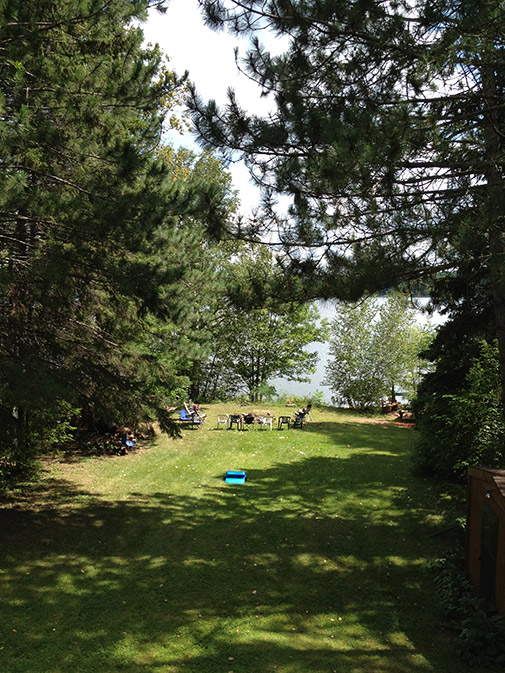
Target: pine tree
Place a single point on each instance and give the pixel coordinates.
(96, 246)
(387, 137)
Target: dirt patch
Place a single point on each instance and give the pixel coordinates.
(387, 419)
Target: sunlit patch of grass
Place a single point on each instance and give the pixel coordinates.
(150, 562)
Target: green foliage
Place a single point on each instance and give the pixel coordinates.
(256, 337)
(264, 392)
(454, 590)
(317, 398)
(482, 637)
(351, 357)
(300, 402)
(480, 630)
(43, 429)
(374, 350)
(387, 141)
(208, 170)
(468, 424)
(101, 240)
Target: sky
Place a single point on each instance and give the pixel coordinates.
(206, 54)
(209, 58)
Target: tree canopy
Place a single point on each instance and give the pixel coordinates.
(387, 137)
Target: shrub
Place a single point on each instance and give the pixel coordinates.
(480, 630)
(300, 401)
(25, 436)
(318, 398)
(462, 427)
(482, 636)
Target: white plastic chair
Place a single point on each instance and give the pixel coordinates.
(266, 420)
(222, 419)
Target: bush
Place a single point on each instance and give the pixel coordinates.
(26, 436)
(480, 630)
(482, 636)
(317, 398)
(463, 427)
(300, 402)
(452, 585)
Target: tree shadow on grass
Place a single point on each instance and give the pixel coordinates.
(262, 577)
(391, 442)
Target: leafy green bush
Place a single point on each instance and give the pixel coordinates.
(482, 636)
(318, 398)
(452, 585)
(301, 401)
(480, 629)
(25, 436)
(463, 427)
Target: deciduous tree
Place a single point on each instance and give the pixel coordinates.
(374, 351)
(257, 337)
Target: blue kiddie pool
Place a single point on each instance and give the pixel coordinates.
(235, 477)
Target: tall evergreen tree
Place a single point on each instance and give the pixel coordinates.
(454, 351)
(95, 254)
(387, 137)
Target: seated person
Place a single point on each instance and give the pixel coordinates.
(193, 410)
(249, 419)
(127, 440)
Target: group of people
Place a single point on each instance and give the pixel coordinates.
(124, 438)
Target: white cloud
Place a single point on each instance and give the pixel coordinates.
(209, 58)
(207, 55)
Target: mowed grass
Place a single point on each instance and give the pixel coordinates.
(150, 563)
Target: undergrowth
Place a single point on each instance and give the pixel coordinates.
(479, 628)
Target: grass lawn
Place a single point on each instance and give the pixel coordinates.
(150, 563)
